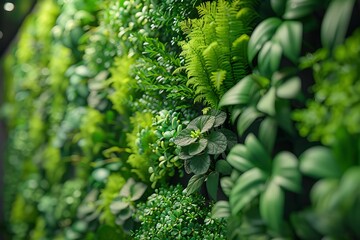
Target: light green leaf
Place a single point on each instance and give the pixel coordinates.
(322, 194)
(223, 167)
(267, 133)
(286, 172)
(249, 115)
(262, 33)
(203, 123)
(197, 147)
(195, 183)
(217, 78)
(269, 58)
(296, 9)
(100, 174)
(257, 153)
(199, 164)
(289, 89)
(246, 188)
(319, 162)
(217, 143)
(220, 117)
(289, 36)
(184, 138)
(221, 209)
(271, 206)
(226, 185)
(241, 93)
(126, 189)
(336, 22)
(239, 158)
(137, 190)
(117, 206)
(212, 184)
(267, 102)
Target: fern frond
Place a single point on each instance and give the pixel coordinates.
(217, 78)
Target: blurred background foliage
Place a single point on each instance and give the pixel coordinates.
(226, 119)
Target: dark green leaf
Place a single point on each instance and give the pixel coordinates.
(184, 154)
(271, 207)
(231, 137)
(197, 147)
(239, 158)
(319, 162)
(262, 33)
(278, 6)
(269, 58)
(223, 167)
(246, 189)
(296, 9)
(217, 143)
(137, 190)
(289, 89)
(289, 36)
(221, 209)
(220, 117)
(257, 153)
(184, 138)
(267, 102)
(226, 185)
(203, 123)
(241, 93)
(286, 171)
(199, 164)
(212, 184)
(283, 115)
(267, 133)
(195, 183)
(105, 232)
(246, 119)
(335, 22)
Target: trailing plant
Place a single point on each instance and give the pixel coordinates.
(215, 52)
(169, 214)
(167, 126)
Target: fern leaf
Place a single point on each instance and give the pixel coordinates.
(217, 78)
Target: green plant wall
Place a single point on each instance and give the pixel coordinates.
(224, 119)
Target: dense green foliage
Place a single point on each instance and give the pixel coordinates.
(103, 106)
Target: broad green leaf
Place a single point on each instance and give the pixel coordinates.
(286, 172)
(203, 123)
(217, 143)
(335, 23)
(262, 33)
(269, 58)
(231, 137)
(249, 115)
(283, 115)
(267, 102)
(239, 158)
(226, 185)
(296, 9)
(195, 183)
(289, 89)
(349, 189)
(289, 36)
(100, 174)
(267, 133)
(184, 154)
(221, 209)
(271, 206)
(278, 6)
(246, 188)
(137, 190)
(223, 167)
(257, 153)
(212, 184)
(117, 206)
(240, 93)
(197, 147)
(199, 164)
(322, 194)
(304, 227)
(220, 117)
(319, 162)
(184, 138)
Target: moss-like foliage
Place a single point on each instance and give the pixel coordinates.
(170, 214)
